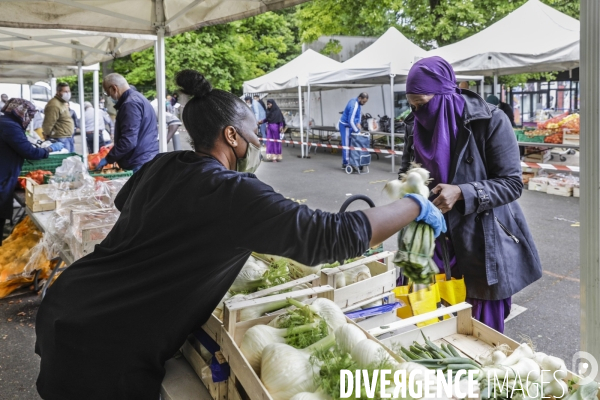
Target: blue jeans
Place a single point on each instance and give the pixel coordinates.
(69, 143)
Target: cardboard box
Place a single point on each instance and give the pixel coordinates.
(565, 191)
(576, 191)
(538, 186)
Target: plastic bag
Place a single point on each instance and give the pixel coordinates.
(21, 254)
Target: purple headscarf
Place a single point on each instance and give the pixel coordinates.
(20, 109)
(436, 122)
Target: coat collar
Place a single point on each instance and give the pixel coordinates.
(123, 98)
(475, 107)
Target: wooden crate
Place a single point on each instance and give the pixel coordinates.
(36, 196)
(470, 337)
(213, 326)
(382, 281)
(570, 138)
(242, 373)
(91, 235)
(565, 191)
(191, 350)
(380, 285)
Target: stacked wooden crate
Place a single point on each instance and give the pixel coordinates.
(376, 288)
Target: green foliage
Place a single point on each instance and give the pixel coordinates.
(227, 54)
(427, 23)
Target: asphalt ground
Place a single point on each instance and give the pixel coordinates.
(551, 319)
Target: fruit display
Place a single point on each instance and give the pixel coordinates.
(552, 123)
(37, 176)
(20, 255)
(94, 159)
(571, 122)
(555, 138)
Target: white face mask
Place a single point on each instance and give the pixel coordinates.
(66, 96)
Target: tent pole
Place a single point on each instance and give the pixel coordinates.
(96, 112)
(482, 88)
(161, 90)
(301, 122)
(392, 121)
(53, 86)
(383, 98)
(308, 117)
(80, 84)
(590, 178)
(495, 89)
(321, 105)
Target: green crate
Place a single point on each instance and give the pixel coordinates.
(47, 164)
(115, 175)
(530, 139)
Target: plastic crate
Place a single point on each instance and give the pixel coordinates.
(114, 175)
(47, 164)
(530, 139)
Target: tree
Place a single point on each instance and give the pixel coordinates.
(427, 23)
(226, 54)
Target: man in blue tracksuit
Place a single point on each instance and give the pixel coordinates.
(350, 122)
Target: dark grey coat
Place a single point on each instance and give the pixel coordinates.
(494, 248)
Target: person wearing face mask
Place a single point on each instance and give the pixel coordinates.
(470, 149)
(58, 124)
(3, 100)
(151, 292)
(350, 123)
(135, 128)
(14, 148)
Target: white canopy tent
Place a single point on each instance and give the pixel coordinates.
(291, 77)
(387, 60)
(64, 47)
(145, 17)
(50, 49)
(29, 74)
(533, 38)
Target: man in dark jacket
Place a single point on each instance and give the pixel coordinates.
(136, 132)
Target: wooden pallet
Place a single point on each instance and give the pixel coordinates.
(233, 331)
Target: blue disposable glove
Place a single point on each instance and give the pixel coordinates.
(430, 214)
(101, 164)
(58, 146)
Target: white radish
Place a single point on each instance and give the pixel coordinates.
(348, 336)
(357, 274)
(553, 364)
(497, 357)
(260, 336)
(539, 357)
(340, 280)
(523, 351)
(368, 354)
(286, 371)
(556, 388)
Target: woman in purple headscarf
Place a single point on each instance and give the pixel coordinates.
(471, 151)
(14, 148)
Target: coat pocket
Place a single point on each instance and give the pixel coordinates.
(507, 231)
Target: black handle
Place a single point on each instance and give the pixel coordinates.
(354, 198)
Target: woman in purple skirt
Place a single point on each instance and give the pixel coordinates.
(471, 152)
(275, 127)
